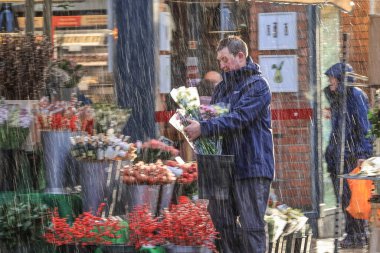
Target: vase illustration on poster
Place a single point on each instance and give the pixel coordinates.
(277, 75)
(281, 72)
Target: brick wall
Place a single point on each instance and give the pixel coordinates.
(292, 133)
(356, 24)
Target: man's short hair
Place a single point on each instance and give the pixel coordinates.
(234, 44)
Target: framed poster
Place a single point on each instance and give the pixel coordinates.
(165, 31)
(165, 74)
(281, 71)
(277, 30)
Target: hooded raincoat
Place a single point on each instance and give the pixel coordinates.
(358, 145)
(246, 130)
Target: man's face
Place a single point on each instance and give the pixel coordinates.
(229, 62)
(333, 83)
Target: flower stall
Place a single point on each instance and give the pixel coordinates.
(85, 154)
(15, 122)
(100, 160)
(58, 121)
(149, 181)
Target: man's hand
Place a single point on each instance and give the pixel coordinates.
(326, 113)
(359, 162)
(193, 131)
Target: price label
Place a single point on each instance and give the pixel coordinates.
(179, 160)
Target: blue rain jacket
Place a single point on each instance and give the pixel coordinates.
(246, 130)
(358, 145)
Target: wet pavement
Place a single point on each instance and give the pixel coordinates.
(327, 246)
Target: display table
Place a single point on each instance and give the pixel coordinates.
(69, 205)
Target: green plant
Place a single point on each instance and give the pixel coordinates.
(74, 71)
(21, 222)
(374, 118)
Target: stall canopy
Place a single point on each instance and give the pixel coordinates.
(38, 1)
(345, 5)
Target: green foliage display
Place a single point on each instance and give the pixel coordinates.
(12, 137)
(374, 118)
(73, 70)
(21, 222)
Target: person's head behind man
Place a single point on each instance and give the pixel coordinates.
(210, 81)
(232, 53)
(213, 77)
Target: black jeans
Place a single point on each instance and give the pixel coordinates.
(240, 218)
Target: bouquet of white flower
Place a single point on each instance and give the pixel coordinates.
(14, 116)
(110, 116)
(188, 101)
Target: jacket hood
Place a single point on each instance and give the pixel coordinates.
(336, 71)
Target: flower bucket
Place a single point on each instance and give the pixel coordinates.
(166, 194)
(118, 248)
(116, 189)
(60, 167)
(65, 94)
(186, 249)
(93, 178)
(28, 247)
(152, 249)
(12, 137)
(138, 195)
(12, 163)
(71, 248)
(101, 181)
(215, 176)
(22, 248)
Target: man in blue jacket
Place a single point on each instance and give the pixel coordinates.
(247, 135)
(358, 145)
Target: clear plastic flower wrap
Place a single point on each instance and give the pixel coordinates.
(188, 100)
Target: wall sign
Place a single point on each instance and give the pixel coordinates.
(277, 30)
(165, 74)
(165, 31)
(281, 71)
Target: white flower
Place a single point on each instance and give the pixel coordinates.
(186, 98)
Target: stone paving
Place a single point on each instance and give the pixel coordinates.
(327, 246)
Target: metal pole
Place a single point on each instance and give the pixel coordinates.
(131, 83)
(29, 16)
(110, 37)
(343, 115)
(47, 18)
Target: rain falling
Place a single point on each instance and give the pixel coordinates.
(231, 126)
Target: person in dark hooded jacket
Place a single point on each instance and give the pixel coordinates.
(358, 145)
(247, 135)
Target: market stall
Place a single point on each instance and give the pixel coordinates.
(109, 174)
